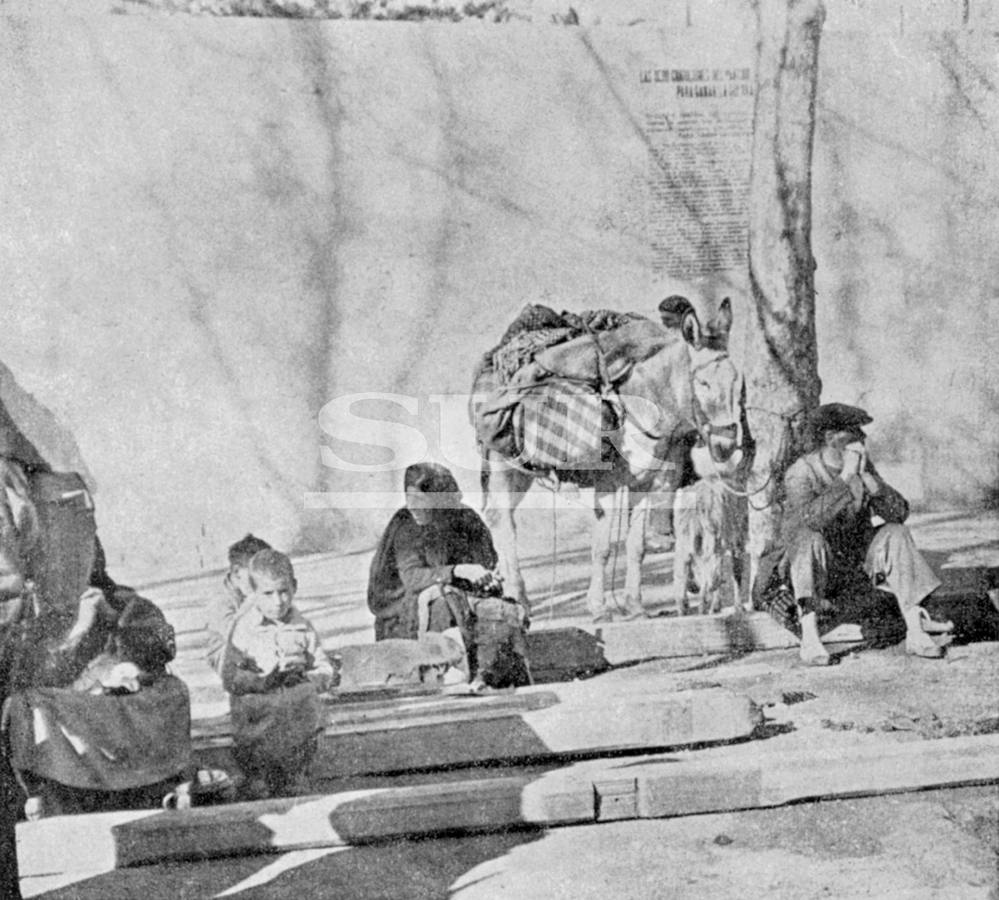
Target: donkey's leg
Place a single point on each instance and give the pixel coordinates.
(603, 517)
(728, 589)
(684, 524)
(638, 514)
(761, 537)
(750, 572)
(713, 521)
(711, 578)
(741, 599)
(506, 490)
(735, 541)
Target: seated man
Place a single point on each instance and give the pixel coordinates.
(274, 668)
(831, 546)
(223, 608)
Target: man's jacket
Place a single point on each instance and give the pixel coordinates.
(819, 500)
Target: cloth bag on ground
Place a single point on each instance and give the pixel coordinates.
(499, 649)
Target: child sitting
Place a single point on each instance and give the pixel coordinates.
(235, 586)
(274, 669)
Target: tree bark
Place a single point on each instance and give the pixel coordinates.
(782, 381)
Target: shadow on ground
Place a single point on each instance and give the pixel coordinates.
(414, 870)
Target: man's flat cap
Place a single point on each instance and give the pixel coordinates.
(839, 417)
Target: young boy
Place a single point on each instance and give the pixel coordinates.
(222, 609)
(274, 668)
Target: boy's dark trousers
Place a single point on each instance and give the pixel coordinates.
(277, 777)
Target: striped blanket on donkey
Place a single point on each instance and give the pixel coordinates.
(562, 426)
(530, 414)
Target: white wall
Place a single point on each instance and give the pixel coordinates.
(213, 228)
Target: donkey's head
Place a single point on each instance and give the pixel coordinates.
(717, 389)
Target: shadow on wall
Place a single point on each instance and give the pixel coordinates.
(912, 454)
(906, 311)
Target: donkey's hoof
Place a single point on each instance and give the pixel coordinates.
(660, 544)
(630, 615)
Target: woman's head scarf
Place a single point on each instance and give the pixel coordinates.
(429, 478)
(433, 478)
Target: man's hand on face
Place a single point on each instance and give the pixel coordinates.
(855, 464)
(854, 460)
(871, 484)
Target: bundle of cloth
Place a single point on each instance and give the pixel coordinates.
(101, 722)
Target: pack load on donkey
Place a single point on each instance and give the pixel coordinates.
(549, 401)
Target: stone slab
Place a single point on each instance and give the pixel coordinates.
(668, 787)
(578, 724)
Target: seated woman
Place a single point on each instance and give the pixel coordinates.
(93, 718)
(434, 550)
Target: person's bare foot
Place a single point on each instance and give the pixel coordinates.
(812, 657)
(921, 644)
(812, 652)
(922, 638)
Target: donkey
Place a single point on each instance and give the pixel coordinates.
(689, 384)
(710, 524)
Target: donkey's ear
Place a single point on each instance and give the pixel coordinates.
(673, 309)
(723, 321)
(690, 328)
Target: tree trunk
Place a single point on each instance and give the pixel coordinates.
(782, 381)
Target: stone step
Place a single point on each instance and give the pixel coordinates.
(527, 725)
(609, 791)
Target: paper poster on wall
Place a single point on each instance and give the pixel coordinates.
(698, 126)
